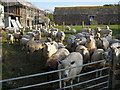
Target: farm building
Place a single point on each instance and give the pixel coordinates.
(89, 15)
(1, 16)
(26, 13)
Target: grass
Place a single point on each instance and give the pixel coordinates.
(115, 28)
(16, 62)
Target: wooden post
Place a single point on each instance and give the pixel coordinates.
(110, 72)
(63, 26)
(82, 24)
(113, 71)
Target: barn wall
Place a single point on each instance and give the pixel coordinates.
(75, 15)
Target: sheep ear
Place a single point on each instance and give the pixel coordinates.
(99, 38)
(82, 49)
(52, 43)
(72, 62)
(43, 44)
(103, 54)
(59, 62)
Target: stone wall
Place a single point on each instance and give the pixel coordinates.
(75, 15)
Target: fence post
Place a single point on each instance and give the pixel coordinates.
(82, 24)
(63, 26)
(110, 72)
(112, 80)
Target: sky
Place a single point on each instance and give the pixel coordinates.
(51, 4)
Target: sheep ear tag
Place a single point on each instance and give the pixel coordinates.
(72, 62)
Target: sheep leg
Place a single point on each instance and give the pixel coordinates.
(71, 82)
(60, 82)
(64, 84)
(12, 42)
(101, 73)
(96, 74)
(23, 48)
(78, 79)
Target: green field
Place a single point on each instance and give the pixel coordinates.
(115, 28)
(16, 62)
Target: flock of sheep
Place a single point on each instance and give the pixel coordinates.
(87, 46)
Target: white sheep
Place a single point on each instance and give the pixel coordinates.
(114, 41)
(115, 50)
(73, 31)
(103, 43)
(23, 42)
(85, 53)
(97, 30)
(37, 36)
(49, 49)
(86, 30)
(61, 45)
(31, 37)
(79, 35)
(10, 38)
(99, 54)
(71, 40)
(106, 31)
(33, 46)
(52, 62)
(80, 41)
(67, 28)
(54, 35)
(74, 59)
(90, 44)
(108, 37)
(70, 43)
(106, 27)
(18, 35)
(61, 36)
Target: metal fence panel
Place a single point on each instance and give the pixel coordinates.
(59, 80)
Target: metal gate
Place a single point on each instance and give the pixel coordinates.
(100, 82)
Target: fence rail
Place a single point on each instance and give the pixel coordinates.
(59, 80)
(39, 74)
(85, 82)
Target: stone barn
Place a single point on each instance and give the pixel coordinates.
(26, 13)
(89, 15)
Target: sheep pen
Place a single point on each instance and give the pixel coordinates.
(16, 62)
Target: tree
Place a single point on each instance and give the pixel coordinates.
(49, 14)
(111, 5)
(46, 20)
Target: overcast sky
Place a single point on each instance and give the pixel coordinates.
(51, 4)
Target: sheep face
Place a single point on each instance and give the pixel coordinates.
(47, 45)
(72, 40)
(66, 65)
(30, 48)
(89, 39)
(50, 48)
(78, 41)
(104, 55)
